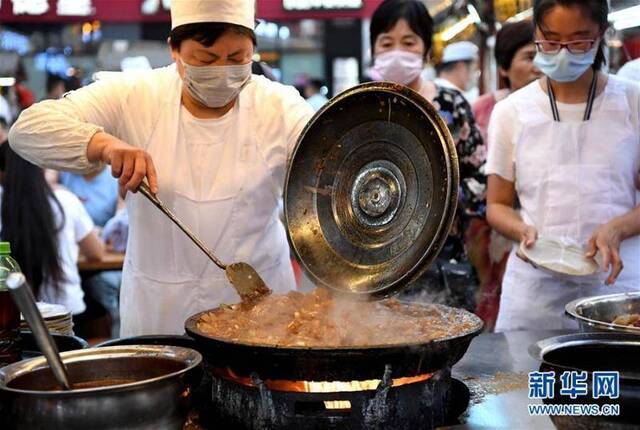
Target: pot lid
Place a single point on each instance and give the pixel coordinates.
(371, 190)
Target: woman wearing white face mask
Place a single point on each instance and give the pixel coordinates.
(401, 32)
(219, 139)
(568, 146)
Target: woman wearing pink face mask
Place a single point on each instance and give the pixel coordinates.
(401, 33)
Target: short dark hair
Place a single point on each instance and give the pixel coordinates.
(510, 39)
(315, 83)
(53, 80)
(598, 11)
(206, 33)
(413, 11)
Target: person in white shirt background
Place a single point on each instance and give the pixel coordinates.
(5, 117)
(631, 71)
(458, 69)
(211, 139)
(46, 229)
(568, 147)
(315, 93)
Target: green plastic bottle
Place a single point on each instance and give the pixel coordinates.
(9, 312)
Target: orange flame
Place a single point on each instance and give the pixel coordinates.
(319, 386)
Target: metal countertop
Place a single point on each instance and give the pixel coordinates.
(495, 369)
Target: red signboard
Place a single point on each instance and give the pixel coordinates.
(103, 10)
(38, 11)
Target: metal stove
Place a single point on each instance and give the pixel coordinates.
(404, 403)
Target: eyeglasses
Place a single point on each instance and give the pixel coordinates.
(575, 46)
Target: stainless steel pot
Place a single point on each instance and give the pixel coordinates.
(590, 352)
(594, 314)
(153, 392)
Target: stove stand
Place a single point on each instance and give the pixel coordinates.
(434, 402)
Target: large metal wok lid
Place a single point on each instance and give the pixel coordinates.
(371, 190)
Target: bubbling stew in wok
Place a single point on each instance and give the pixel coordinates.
(318, 319)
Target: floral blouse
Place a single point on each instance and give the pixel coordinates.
(457, 113)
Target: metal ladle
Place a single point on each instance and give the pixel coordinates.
(242, 276)
(22, 295)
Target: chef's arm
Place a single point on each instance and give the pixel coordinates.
(77, 133)
(501, 215)
(51, 134)
(297, 114)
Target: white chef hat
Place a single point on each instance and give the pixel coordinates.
(240, 12)
(459, 51)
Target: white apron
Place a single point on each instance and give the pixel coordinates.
(166, 278)
(570, 178)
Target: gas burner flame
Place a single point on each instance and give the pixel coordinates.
(319, 386)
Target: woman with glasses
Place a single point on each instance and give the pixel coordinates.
(567, 146)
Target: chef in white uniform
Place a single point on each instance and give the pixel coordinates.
(568, 145)
(211, 139)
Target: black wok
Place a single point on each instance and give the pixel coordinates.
(334, 364)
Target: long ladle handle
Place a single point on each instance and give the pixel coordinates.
(22, 295)
(144, 189)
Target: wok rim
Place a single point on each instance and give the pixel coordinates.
(193, 331)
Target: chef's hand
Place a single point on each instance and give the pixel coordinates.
(528, 237)
(606, 241)
(128, 163)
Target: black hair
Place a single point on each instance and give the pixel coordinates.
(315, 83)
(262, 69)
(510, 39)
(53, 80)
(21, 72)
(598, 11)
(450, 65)
(29, 222)
(72, 84)
(413, 11)
(206, 33)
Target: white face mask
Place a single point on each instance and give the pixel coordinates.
(398, 66)
(215, 86)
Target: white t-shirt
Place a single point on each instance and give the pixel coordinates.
(505, 125)
(204, 139)
(76, 227)
(630, 71)
(5, 111)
